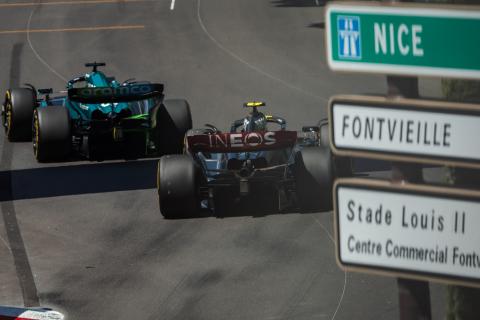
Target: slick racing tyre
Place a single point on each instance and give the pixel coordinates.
(18, 113)
(178, 181)
(324, 133)
(51, 133)
(343, 165)
(171, 120)
(313, 171)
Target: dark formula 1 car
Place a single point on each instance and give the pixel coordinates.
(97, 115)
(252, 161)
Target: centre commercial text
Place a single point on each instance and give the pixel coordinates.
(431, 221)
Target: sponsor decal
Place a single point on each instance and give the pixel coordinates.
(115, 94)
(118, 91)
(239, 140)
(243, 141)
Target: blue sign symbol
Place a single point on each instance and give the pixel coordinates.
(349, 37)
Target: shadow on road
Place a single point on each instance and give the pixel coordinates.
(108, 177)
(77, 179)
(255, 205)
(320, 25)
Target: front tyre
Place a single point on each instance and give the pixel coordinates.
(51, 133)
(178, 182)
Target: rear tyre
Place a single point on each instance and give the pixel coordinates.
(178, 182)
(17, 113)
(343, 165)
(313, 172)
(51, 133)
(171, 120)
(324, 133)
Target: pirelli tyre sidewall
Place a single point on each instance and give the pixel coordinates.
(170, 122)
(314, 174)
(178, 182)
(18, 113)
(51, 133)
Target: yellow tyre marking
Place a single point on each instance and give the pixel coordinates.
(8, 116)
(37, 133)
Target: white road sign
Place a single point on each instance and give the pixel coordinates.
(406, 130)
(408, 230)
(15, 313)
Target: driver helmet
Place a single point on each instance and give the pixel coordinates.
(255, 121)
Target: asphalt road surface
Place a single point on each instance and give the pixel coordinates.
(87, 238)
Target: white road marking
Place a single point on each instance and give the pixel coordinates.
(345, 273)
(172, 5)
(251, 66)
(5, 243)
(35, 51)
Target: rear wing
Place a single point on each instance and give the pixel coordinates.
(132, 92)
(241, 142)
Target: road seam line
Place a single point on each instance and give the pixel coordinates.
(51, 3)
(79, 29)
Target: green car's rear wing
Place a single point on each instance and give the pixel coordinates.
(132, 92)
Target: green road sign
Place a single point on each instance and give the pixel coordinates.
(404, 39)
